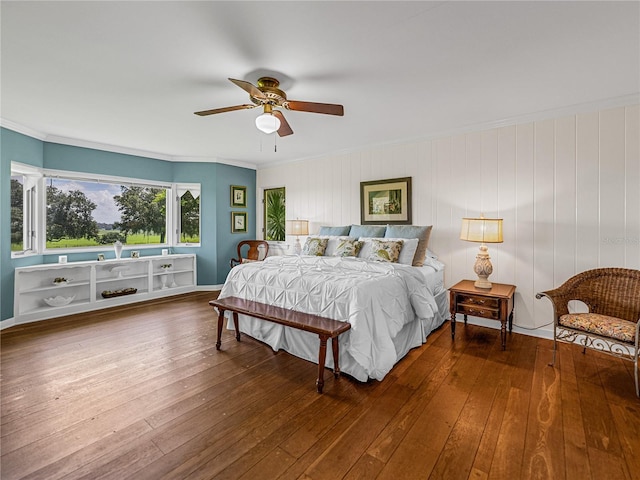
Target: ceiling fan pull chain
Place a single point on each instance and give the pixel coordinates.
(275, 143)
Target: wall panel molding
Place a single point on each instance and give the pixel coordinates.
(567, 188)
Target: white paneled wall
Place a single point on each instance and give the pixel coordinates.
(568, 190)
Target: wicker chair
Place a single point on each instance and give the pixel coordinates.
(613, 322)
(257, 250)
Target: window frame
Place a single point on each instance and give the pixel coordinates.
(31, 212)
(34, 182)
(177, 218)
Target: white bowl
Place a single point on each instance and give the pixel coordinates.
(59, 301)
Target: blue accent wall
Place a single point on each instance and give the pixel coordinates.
(217, 242)
(226, 241)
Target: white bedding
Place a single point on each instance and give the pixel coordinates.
(391, 307)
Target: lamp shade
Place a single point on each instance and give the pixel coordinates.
(267, 123)
(297, 227)
(485, 230)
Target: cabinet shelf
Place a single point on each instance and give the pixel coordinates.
(90, 278)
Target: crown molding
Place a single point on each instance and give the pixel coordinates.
(603, 104)
(76, 142)
(233, 163)
(569, 110)
(15, 127)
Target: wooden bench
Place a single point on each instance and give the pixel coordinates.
(325, 328)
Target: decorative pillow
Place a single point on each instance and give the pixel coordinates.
(422, 233)
(408, 251)
(348, 248)
(385, 251)
(332, 244)
(315, 246)
(358, 231)
(335, 231)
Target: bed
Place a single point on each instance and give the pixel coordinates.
(391, 307)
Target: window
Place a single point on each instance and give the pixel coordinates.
(89, 213)
(274, 214)
(55, 210)
(24, 180)
(188, 213)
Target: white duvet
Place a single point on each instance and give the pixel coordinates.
(377, 299)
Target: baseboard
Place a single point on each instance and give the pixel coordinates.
(537, 332)
(7, 322)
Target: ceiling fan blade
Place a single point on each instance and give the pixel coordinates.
(250, 88)
(327, 108)
(285, 128)
(225, 109)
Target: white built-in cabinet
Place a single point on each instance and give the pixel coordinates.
(88, 283)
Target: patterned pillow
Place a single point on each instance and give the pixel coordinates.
(422, 233)
(385, 251)
(348, 248)
(315, 246)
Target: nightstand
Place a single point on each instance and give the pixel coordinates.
(495, 303)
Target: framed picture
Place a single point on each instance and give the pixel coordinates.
(238, 222)
(135, 254)
(238, 196)
(101, 257)
(386, 201)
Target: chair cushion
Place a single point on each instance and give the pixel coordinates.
(603, 325)
(248, 260)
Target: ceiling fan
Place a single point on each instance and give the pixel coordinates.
(267, 95)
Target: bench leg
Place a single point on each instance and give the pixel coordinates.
(336, 365)
(235, 324)
(321, 359)
(220, 322)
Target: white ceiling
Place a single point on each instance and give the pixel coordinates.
(131, 74)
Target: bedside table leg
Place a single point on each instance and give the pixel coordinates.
(453, 326)
(503, 334)
(511, 321)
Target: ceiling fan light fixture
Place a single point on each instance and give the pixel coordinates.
(268, 123)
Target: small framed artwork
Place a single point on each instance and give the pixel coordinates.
(101, 257)
(386, 201)
(238, 222)
(238, 196)
(135, 254)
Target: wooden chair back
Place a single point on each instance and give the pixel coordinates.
(250, 250)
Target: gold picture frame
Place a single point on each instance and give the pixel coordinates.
(386, 202)
(238, 196)
(238, 222)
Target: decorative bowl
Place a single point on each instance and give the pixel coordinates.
(61, 281)
(59, 301)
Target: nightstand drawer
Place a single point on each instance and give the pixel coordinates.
(480, 301)
(479, 311)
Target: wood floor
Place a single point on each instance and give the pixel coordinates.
(141, 393)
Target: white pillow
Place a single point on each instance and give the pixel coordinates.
(407, 253)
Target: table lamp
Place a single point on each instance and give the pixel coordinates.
(483, 230)
(297, 228)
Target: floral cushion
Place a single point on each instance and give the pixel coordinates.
(385, 251)
(315, 246)
(348, 248)
(622, 330)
